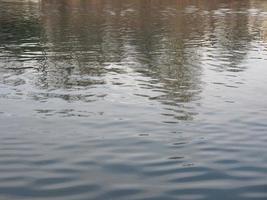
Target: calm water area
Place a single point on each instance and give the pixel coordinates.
(133, 99)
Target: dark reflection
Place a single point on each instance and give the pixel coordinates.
(19, 22)
(162, 45)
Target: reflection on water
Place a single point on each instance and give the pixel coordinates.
(133, 99)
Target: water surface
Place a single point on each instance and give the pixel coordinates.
(133, 99)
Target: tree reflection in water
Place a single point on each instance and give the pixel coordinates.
(159, 48)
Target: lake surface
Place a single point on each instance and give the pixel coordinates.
(133, 99)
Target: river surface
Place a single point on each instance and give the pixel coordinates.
(133, 99)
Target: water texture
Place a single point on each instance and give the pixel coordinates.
(133, 99)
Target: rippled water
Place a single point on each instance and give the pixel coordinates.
(133, 99)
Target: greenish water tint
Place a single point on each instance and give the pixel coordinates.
(133, 99)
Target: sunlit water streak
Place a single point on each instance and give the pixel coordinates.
(138, 99)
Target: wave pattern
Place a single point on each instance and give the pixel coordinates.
(133, 100)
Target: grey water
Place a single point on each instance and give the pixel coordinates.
(133, 99)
